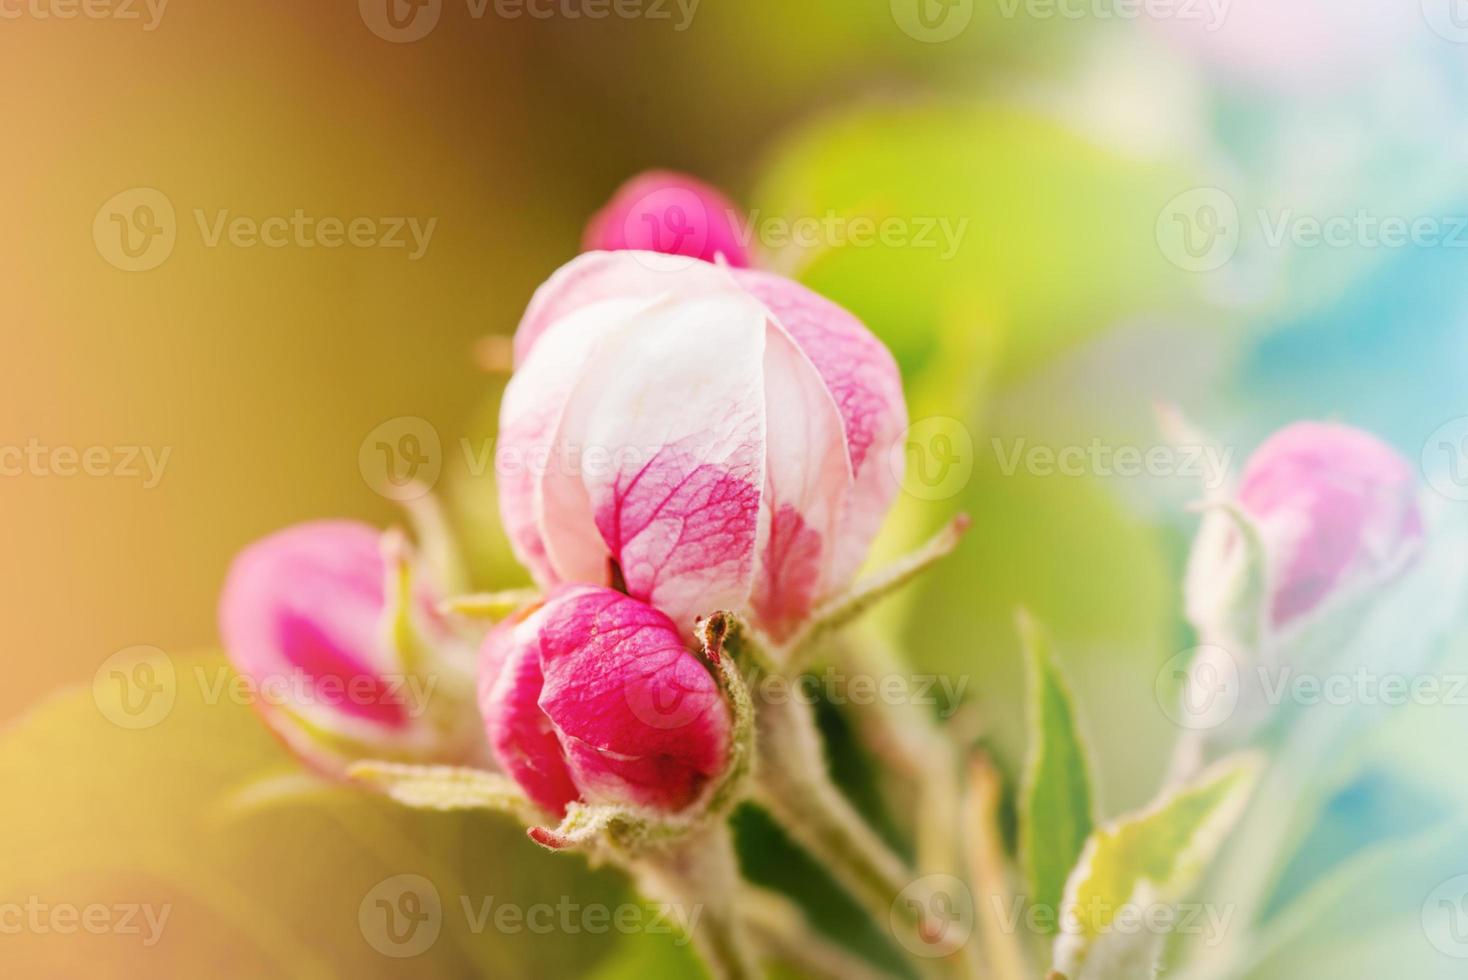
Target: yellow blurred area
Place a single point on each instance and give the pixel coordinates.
(257, 370)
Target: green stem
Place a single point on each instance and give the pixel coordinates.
(792, 782)
(785, 935)
(909, 739)
(699, 876)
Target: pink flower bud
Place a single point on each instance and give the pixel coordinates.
(660, 211)
(1333, 505)
(593, 696)
(303, 617)
(719, 438)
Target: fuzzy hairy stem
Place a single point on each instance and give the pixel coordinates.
(781, 930)
(701, 873)
(909, 738)
(793, 783)
(985, 849)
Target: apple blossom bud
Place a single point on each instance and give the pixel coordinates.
(330, 634)
(671, 213)
(1332, 506)
(709, 438)
(595, 697)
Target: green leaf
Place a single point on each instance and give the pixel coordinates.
(1056, 803)
(1144, 860)
(1002, 202)
(448, 788)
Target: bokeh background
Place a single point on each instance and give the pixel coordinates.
(1116, 178)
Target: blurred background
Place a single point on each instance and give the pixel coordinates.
(1058, 213)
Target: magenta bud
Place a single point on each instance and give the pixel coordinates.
(671, 213)
(594, 697)
(304, 618)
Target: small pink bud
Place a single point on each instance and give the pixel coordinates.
(1333, 502)
(1333, 505)
(302, 616)
(720, 437)
(671, 213)
(594, 697)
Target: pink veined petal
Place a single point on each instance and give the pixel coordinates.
(306, 602)
(640, 717)
(530, 413)
(863, 378)
(597, 276)
(1331, 501)
(670, 417)
(808, 483)
(523, 739)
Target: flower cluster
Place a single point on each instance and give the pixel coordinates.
(749, 422)
(746, 432)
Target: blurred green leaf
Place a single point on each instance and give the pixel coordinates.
(990, 207)
(1101, 579)
(300, 884)
(1056, 804)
